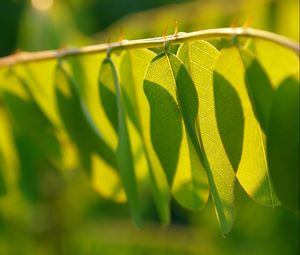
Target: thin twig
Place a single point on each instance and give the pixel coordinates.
(22, 57)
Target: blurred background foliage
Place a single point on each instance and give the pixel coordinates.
(63, 214)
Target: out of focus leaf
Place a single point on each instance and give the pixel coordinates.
(36, 143)
(113, 103)
(84, 70)
(278, 62)
(173, 111)
(106, 181)
(283, 142)
(78, 123)
(3, 188)
(41, 88)
(199, 57)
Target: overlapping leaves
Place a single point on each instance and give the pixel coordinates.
(188, 125)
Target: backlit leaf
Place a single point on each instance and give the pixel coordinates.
(78, 123)
(173, 111)
(133, 67)
(113, 103)
(199, 57)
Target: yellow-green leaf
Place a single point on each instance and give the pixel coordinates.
(113, 102)
(173, 111)
(133, 66)
(199, 57)
(78, 122)
(257, 182)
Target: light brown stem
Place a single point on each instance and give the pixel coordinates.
(22, 57)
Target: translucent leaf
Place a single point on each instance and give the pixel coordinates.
(256, 181)
(133, 66)
(85, 72)
(78, 123)
(106, 181)
(252, 171)
(283, 142)
(41, 88)
(278, 62)
(173, 111)
(199, 57)
(113, 102)
(36, 143)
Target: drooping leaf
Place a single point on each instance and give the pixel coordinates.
(113, 103)
(133, 67)
(199, 58)
(252, 171)
(84, 70)
(283, 142)
(260, 93)
(278, 62)
(36, 143)
(173, 111)
(78, 123)
(39, 79)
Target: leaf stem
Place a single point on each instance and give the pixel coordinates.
(22, 57)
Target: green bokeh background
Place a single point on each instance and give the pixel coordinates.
(70, 217)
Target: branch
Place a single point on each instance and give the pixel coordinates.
(22, 57)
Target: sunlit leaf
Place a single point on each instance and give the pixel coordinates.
(36, 143)
(41, 88)
(256, 180)
(85, 72)
(199, 57)
(113, 102)
(278, 62)
(174, 106)
(78, 123)
(106, 181)
(133, 66)
(283, 142)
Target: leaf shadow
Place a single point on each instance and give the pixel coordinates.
(260, 91)
(230, 118)
(283, 142)
(165, 126)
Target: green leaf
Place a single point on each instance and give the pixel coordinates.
(256, 181)
(41, 88)
(3, 188)
(36, 143)
(8, 155)
(78, 122)
(173, 111)
(283, 142)
(278, 62)
(28, 118)
(199, 57)
(109, 83)
(104, 177)
(133, 66)
(85, 72)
